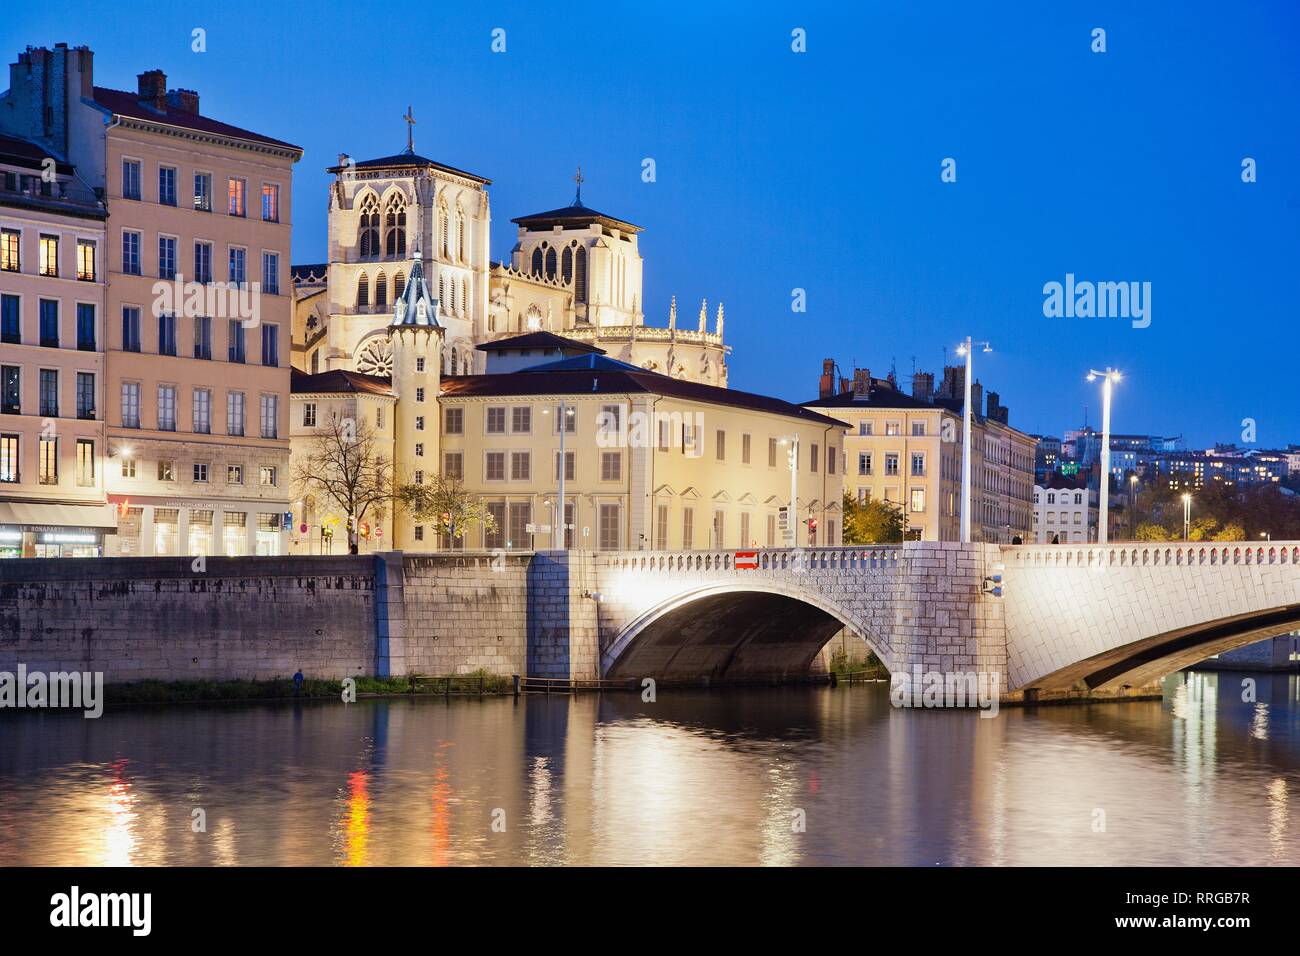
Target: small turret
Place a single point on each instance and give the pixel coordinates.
(719, 320)
(672, 314)
(704, 314)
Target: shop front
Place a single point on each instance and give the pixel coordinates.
(41, 530)
(157, 527)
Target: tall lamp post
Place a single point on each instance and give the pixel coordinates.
(793, 442)
(558, 529)
(1187, 515)
(1108, 379)
(966, 348)
(1133, 505)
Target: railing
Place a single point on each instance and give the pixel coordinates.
(458, 685)
(1154, 554)
(861, 558)
(570, 685)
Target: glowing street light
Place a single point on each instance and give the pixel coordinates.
(793, 442)
(1109, 378)
(966, 348)
(1187, 515)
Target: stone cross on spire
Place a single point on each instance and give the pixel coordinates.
(577, 178)
(410, 130)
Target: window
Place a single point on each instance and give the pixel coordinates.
(570, 466)
(866, 429)
(128, 467)
(166, 471)
(9, 458)
(271, 345)
(85, 327)
(569, 415)
(49, 393)
(453, 465)
(918, 429)
(419, 476)
(419, 364)
(309, 415)
(608, 532)
(270, 416)
(87, 267)
(419, 449)
(661, 528)
(201, 472)
(721, 445)
(167, 408)
(203, 192)
(611, 466)
(130, 328)
(520, 465)
(130, 179)
(419, 532)
(10, 390)
(203, 262)
(918, 500)
(235, 351)
(893, 428)
(864, 463)
(202, 411)
(830, 460)
(744, 530)
(238, 266)
(271, 273)
(419, 420)
(11, 328)
(607, 423)
(521, 419)
(419, 394)
(521, 513)
(771, 453)
(203, 337)
(130, 404)
(270, 202)
(166, 257)
(166, 334)
(494, 466)
(49, 255)
(10, 250)
(266, 476)
(167, 185)
(918, 464)
(812, 458)
(234, 412)
(496, 421)
(234, 474)
(85, 463)
(236, 191)
(49, 323)
(86, 396)
(455, 421)
(368, 228)
(719, 529)
(130, 252)
(891, 463)
(744, 449)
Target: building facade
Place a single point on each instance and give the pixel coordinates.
(1065, 511)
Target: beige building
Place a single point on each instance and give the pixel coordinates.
(906, 449)
(52, 436)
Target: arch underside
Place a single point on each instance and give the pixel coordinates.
(734, 635)
(1152, 658)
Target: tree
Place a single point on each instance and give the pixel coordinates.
(872, 522)
(446, 502)
(344, 462)
(1148, 531)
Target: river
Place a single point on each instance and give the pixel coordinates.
(798, 775)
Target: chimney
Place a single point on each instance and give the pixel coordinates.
(976, 397)
(861, 384)
(826, 384)
(186, 101)
(152, 88)
(923, 385)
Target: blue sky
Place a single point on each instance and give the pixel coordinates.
(821, 170)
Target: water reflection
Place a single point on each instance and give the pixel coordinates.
(773, 777)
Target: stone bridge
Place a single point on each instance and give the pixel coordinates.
(1071, 620)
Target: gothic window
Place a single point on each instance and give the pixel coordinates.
(534, 318)
(376, 358)
(381, 289)
(444, 229)
(368, 228)
(580, 274)
(537, 261)
(363, 291)
(566, 265)
(460, 233)
(399, 285)
(464, 298)
(550, 263)
(442, 293)
(395, 227)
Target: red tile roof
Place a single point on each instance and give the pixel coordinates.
(339, 380)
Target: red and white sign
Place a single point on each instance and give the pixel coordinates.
(746, 561)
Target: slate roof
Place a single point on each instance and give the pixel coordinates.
(339, 381)
(405, 160)
(128, 104)
(574, 215)
(538, 340)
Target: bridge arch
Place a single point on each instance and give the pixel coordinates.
(751, 630)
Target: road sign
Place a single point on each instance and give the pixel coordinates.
(745, 561)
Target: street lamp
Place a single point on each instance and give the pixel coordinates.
(966, 348)
(1133, 503)
(793, 442)
(1109, 378)
(1267, 536)
(558, 529)
(1187, 515)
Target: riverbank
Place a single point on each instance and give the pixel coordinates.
(477, 683)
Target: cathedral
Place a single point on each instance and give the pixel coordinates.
(573, 271)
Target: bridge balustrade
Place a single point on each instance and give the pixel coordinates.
(1129, 555)
(865, 558)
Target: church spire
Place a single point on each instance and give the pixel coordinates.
(719, 320)
(704, 314)
(410, 132)
(672, 314)
(577, 178)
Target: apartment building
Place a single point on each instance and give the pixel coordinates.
(52, 436)
(1065, 511)
(197, 308)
